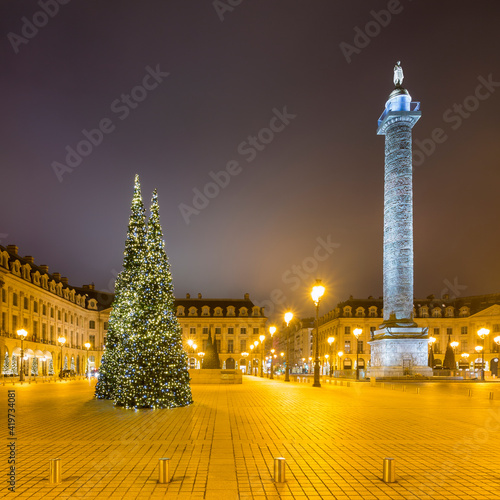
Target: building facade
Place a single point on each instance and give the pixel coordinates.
(455, 320)
(49, 309)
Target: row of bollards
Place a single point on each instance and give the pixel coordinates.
(388, 470)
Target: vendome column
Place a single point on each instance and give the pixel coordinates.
(399, 347)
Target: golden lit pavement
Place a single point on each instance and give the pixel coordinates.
(446, 444)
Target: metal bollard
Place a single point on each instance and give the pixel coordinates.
(389, 470)
(163, 475)
(491, 395)
(404, 388)
(348, 384)
(55, 471)
(418, 390)
(470, 392)
(279, 470)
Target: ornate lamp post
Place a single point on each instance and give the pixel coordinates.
(62, 341)
(262, 338)
(331, 340)
(327, 356)
(288, 318)
(340, 354)
(87, 346)
(465, 357)
(357, 332)
(245, 356)
(483, 333)
(23, 334)
(272, 331)
(317, 292)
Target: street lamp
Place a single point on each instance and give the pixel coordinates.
(482, 333)
(288, 318)
(317, 292)
(326, 360)
(62, 341)
(201, 354)
(23, 334)
(87, 346)
(262, 338)
(357, 332)
(251, 359)
(272, 331)
(331, 340)
(340, 354)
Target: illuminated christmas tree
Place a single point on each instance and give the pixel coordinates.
(211, 359)
(155, 373)
(125, 305)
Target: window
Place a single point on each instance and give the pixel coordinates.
(205, 330)
(243, 345)
(243, 330)
(35, 306)
(449, 312)
(360, 312)
(4, 321)
(256, 331)
(464, 330)
(218, 311)
(106, 325)
(14, 299)
(92, 341)
(243, 311)
(192, 331)
(26, 303)
(193, 311)
(347, 347)
(59, 315)
(436, 312)
(360, 346)
(52, 334)
(25, 322)
(449, 331)
(44, 332)
(436, 332)
(44, 310)
(218, 331)
(230, 347)
(464, 345)
(92, 324)
(496, 328)
(65, 317)
(205, 311)
(373, 329)
(347, 312)
(230, 311)
(4, 295)
(424, 312)
(373, 312)
(180, 311)
(14, 324)
(51, 312)
(347, 330)
(218, 345)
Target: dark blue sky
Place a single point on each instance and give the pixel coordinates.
(309, 203)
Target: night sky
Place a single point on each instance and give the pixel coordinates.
(179, 88)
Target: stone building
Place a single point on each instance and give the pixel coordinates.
(48, 308)
(455, 319)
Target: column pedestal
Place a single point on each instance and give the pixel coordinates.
(399, 352)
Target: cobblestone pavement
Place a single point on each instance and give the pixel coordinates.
(445, 442)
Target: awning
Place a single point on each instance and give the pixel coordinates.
(29, 352)
(47, 354)
(39, 354)
(16, 351)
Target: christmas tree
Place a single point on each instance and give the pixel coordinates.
(6, 365)
(125, 304)
(211, 359)
(155, 373)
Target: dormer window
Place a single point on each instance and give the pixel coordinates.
(450, 312)
(92, 304)
(180, 311)
(436, 312)
(424, 312)
(360, 312)
(205, 311)
(373, 312)
(193, 311)
(464, 311)
(230, 311)
(256, 311)
(243, 311)
(218, 311)
(347, 311)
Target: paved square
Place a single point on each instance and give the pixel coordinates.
(446, 444)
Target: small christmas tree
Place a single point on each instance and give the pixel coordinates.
(155, 371)
(449, 356)
(6, 365)
(211, 359)
(126, 299)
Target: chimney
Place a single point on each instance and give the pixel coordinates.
(44, 268)
(88, 287)
(12, 249)
(57, 276)
(29, 259)
(247, 296)
(64, 280)
(199, 295)
(188, 295)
